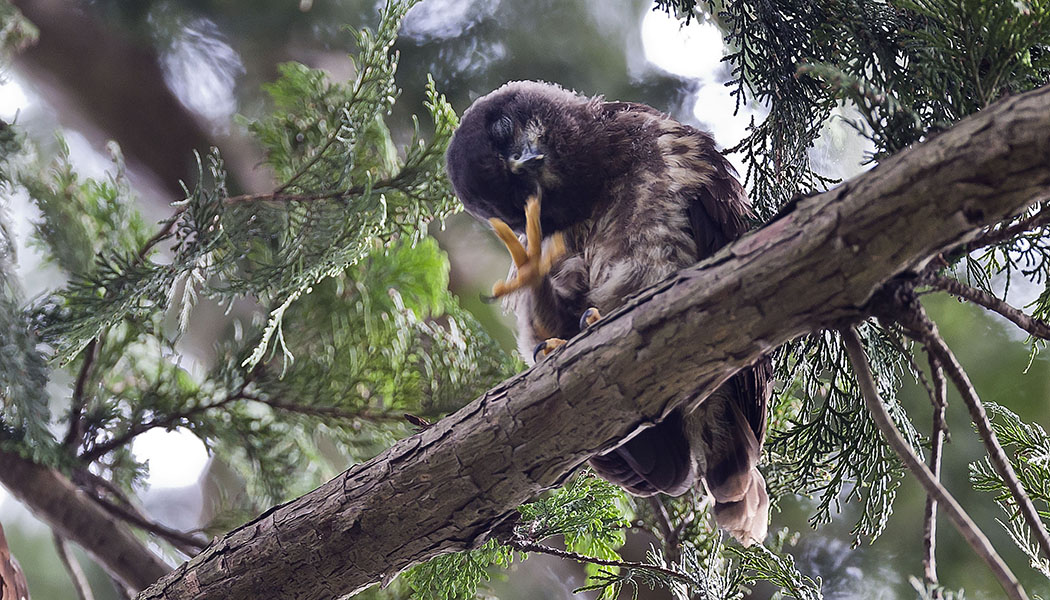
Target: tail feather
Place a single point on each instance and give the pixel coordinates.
(746, 519)
(726, 429)
(731, 463)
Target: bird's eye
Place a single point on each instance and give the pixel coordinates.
(502, 129)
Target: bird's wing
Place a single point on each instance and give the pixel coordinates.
(612, 108)
(718, 210)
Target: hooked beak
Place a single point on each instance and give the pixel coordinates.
(528, 159)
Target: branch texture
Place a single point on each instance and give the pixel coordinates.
(815, 267)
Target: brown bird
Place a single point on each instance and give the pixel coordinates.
(629, 196)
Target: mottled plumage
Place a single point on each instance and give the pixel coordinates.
(637, 196)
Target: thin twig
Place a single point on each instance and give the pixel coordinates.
(1033, 326)
(138, 429)
(94, 347)
(939, 398)
(283, 197)
(328, 411)
(97, 487)
(186, 543)
(76, 574)
(524, 546)
(158, 237)
(76, 413)
(995, 236)
(332, 137)
(958, 516)
(279, 195)
(935, 345)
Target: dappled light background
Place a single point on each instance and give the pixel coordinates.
(166, 78)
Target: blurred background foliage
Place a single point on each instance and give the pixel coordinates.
(244, 359)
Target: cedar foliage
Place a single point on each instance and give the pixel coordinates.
(340, 319)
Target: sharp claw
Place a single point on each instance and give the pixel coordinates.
(544, 348)
(590, 317)
(538, 350)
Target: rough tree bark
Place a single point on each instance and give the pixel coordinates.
(816, 266)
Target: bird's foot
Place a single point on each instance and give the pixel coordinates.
(590, 317)
(532, 263)
(546, 347)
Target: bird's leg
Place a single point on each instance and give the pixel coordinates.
(590, 317)
(531, 263)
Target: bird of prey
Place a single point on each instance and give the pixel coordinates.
(597, 201)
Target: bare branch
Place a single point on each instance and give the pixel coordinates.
(75, 430)
(76, 574)
(1001, 234)
(926, 329)
(960, 519)
(187, 543)
(65, 508)
(939, 399)
(1033, 326)
(524, 546)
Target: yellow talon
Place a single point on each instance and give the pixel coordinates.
(531, 262)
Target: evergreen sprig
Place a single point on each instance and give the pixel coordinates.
(334, 265)
(824, 442)
(24, 401)
(1028, 447)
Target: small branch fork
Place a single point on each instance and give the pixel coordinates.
(920, 325)
(528, 546)
(958, 516)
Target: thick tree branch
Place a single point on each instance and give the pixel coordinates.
(74, 516)
(927, 332)
(815, 267)
(967, 528)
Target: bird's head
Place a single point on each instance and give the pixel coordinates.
(522, 139)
